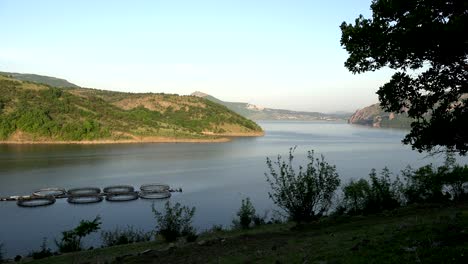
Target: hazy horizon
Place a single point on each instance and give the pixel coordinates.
(237, 51)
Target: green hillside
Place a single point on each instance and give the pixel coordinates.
(52, 81)
(36, 112)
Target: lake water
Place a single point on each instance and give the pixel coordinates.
(214, 177)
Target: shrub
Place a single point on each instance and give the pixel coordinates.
(356, 194)
(260, 219)
(457, 180)
(44, 252)
(423, 185)
(246, 215)
(127, 235)
(376, 195)
(1, 252)
(307, 194)
(454, 176)
(384, 194)
(430, 184)
(175, 222)
(71, 240)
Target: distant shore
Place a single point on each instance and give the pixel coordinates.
(220, 138)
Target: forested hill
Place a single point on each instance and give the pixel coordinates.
(52, 81)
(41, 113)
(375, 116)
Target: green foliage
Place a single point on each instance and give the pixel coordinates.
(44, 252)
(376, 195)
(427, 38)
(127, 235)
(246, 215)
(356, 195)
(457, 181)
(384, 193)
(175, 222)
(423, 185)
(305, 195)
(71, 240)
(51, 113)
(429, 184)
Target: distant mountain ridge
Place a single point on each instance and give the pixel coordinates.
(35, 78)
(375, 116)
(255, 112)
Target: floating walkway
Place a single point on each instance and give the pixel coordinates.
(86, 195)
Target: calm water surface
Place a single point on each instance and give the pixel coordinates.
(214, 177)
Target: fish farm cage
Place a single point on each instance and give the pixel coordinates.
(88, 195)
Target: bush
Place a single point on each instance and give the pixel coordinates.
(124, 236)
(1, 253)
(429, 184)
(423, 185)
(44, 252)
(246, 215)
(71, 240)
(457, 180)
(384, 194)
(356, 194)
(376, 195)
(260, 219)
(175, 222)
(306, 195)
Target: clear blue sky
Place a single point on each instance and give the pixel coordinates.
(282, 54)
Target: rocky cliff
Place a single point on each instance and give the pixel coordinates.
(375, 116)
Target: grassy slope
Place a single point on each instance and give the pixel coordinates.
(30, 111)
(424, 234)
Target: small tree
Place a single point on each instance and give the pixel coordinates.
(71, 240)
(175, 222)
(385, 194)
(356, 194)
(246, 214)
(305, 195)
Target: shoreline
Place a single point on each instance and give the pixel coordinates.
(249, 134)
(221, 139)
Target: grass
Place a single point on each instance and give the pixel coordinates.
(417, 234)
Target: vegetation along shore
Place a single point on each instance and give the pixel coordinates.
(38, 113)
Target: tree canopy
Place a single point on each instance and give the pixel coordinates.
(426, 43)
